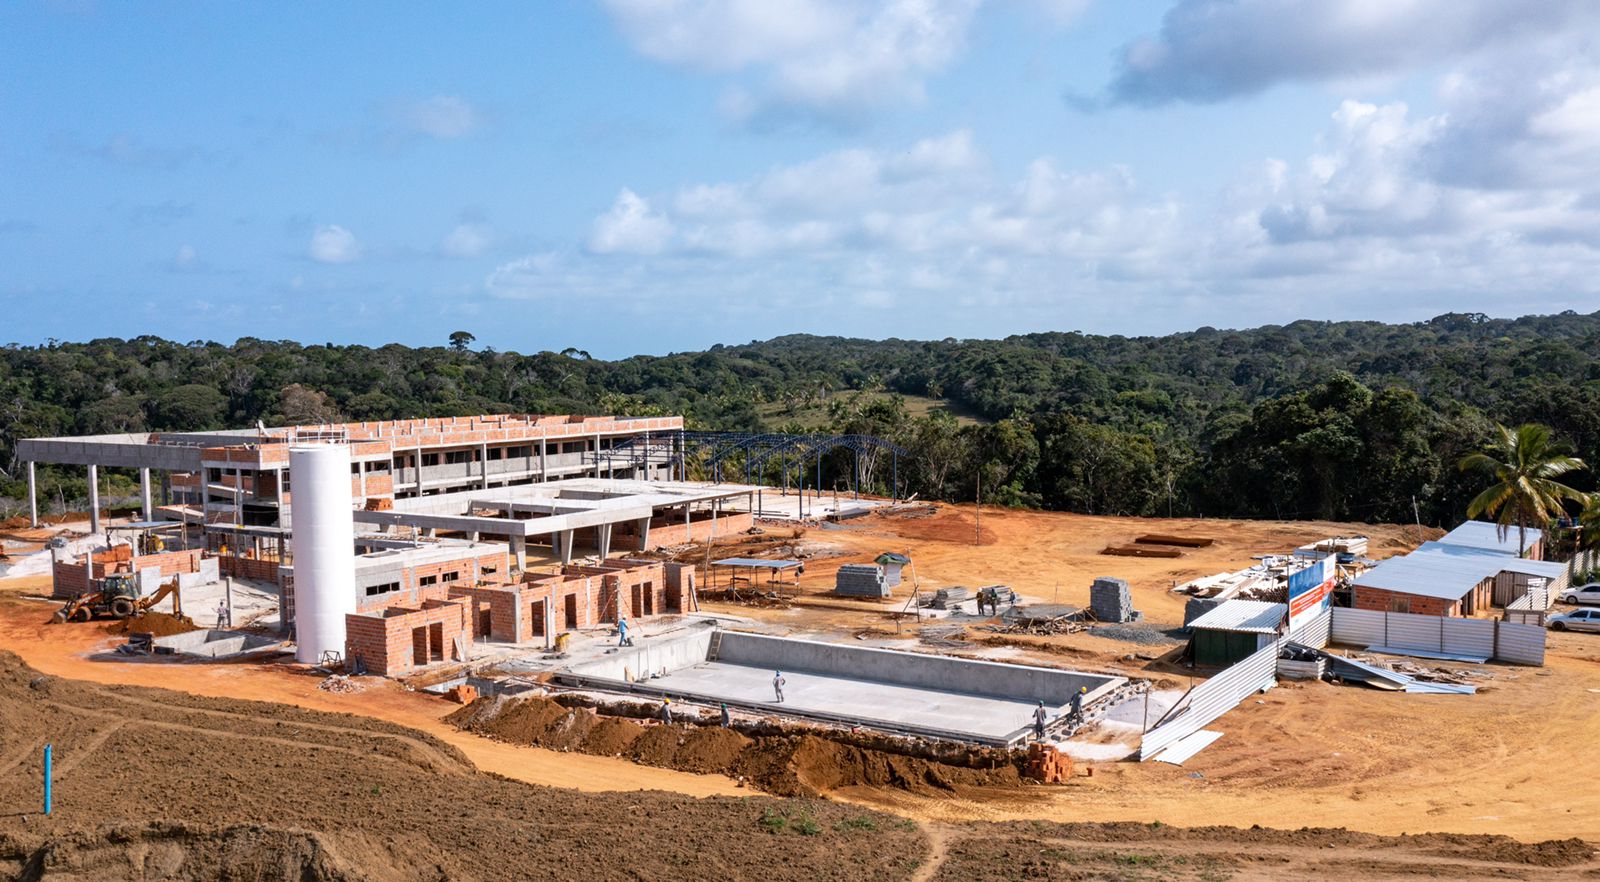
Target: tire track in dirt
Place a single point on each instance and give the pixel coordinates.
(443, 762)
(938, 837)
(242, 736)
(81, 752)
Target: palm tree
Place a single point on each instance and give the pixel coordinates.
(1588, 538)
(1524, 463)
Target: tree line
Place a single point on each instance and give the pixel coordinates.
(1360, 421)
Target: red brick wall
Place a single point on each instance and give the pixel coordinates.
(385, 642)
(249, 568)
(501, 601)
(1378, 599)
(68, 578)
(672, 531)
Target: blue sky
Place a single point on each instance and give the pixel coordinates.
(655, 175)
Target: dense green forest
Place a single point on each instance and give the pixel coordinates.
(1347, 420)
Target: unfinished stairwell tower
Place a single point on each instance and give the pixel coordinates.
(323, 539)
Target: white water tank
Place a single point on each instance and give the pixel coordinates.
(323, 539)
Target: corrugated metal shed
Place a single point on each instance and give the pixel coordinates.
(1426, 575)
(1448, 572)
(1244, 616)
(1497, 563)
(1486, 536)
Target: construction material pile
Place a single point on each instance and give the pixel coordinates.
(860, 580)
(1042, 619)
(339, 683)
(950, 598)
(1110, 601)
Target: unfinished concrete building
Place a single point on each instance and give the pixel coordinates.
(241, 476)
(564, 515)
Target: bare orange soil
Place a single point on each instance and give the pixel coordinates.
(1507, 760)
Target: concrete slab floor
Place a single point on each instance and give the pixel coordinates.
(869, 701)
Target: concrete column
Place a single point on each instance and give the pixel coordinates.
(483, 465)
(715, 504)
(543, 472)
(33, 496)
(473, 535)
(361, 477)
(418, 453)
(238, 496)
(519, 550)
(597, 455)
(550, 623)
(604, 533)
(94, 498)
(566, 546)
(644, 534)
(144, 494)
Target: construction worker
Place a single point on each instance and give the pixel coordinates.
(222, 614)
(727, 718)
(666, 711)
(1039, 717)
(622, 633)
(777, 685)
(1077, 704)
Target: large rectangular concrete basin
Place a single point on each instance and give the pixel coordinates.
(913, 693)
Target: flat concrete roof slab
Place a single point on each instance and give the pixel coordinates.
(892, 706)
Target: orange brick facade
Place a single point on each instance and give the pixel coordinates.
(668, 531)
(70, 579)
(1382, 600)
(398, 640)
(579, 597)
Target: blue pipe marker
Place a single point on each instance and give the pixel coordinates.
(47, 779)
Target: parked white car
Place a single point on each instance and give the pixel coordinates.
(1577, 620)
(1589, 593)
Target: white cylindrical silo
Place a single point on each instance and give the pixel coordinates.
(323, 538)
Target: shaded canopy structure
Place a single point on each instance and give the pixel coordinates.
(797, 456)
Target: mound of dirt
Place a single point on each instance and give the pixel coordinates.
(780, 759)
(152, 784)
(158, 623)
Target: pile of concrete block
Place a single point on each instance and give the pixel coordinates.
(1199, 606)
(950, 598)
(1110, 601)
(860, 580)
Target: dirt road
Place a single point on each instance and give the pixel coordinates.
(152, 784)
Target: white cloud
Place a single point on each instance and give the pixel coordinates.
(466, 240)
(334, 244)
(445, 117)
(1376, 219)
(1212, 50)
(186, 258)
(830, 59)
(630, 226)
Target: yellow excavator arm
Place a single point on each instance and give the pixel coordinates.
(160, 594)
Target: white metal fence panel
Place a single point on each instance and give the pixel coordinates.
(1521, 644)
(1507, 641)
(1469, 637)
(1213, 698)
(1407, 631)
(1357, 627)
(1315, 632)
